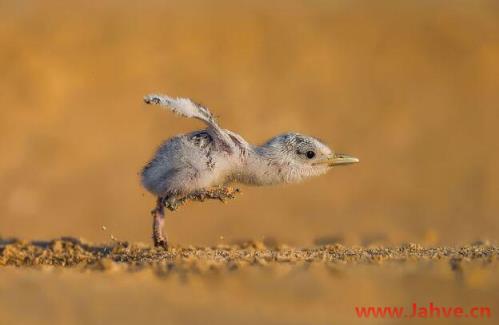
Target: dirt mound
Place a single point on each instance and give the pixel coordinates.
(74, 253)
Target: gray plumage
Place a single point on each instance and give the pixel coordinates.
(212, 157)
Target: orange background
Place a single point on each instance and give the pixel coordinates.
(411, 88)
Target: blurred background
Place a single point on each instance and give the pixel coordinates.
(411, 88)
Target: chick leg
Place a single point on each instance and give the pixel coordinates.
(158, 214)
(221, 193)
(172, 202)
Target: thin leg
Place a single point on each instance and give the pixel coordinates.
(158, 215)
(172, 202)
(221, 193)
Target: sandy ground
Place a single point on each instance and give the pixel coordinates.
(68, 281)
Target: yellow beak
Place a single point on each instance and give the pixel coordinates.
(338, 159)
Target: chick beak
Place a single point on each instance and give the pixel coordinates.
(338, 159)
(342, 159)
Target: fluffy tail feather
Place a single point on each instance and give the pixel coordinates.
(183, 107)
(187, 108)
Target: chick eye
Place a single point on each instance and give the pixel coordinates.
(310, 154)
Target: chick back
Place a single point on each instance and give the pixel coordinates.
(183, 164)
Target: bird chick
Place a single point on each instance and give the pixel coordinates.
(199, 165)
